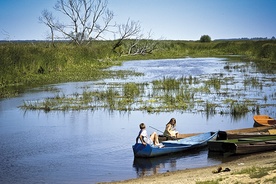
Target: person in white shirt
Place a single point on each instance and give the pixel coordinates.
(143, 136)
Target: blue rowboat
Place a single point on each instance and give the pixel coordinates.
(173, 146)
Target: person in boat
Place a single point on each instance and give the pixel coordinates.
(143, 136)
(170, 130)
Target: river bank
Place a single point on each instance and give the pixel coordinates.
(255, 168)
(35, 64)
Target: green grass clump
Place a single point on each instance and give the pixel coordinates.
(209, 182)
(166, 84)
(131, 90)
(239, 109)
(256, 172)
(271, 180)
(214, 82)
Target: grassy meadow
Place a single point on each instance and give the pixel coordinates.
(31, 64)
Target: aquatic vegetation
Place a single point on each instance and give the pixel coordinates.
(166, 84)
(238, 109)
(252, 82)
(214, 82)
(131, 90)
(210, 108)
(166, 94)
(232, 92)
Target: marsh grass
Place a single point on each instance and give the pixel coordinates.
(167, 84)
(210, 108)
(252, 82)
(33, 64)
(132, 90)
(239, 109)
(214, 82)
(210, 95)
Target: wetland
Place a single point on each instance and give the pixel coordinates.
(90, 140)
(209, 85)
(71, 114)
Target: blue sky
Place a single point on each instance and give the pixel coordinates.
(167, 19)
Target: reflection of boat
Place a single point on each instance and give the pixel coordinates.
(172, 162)
(148, 166)
(173, 146)
(263, 120)
(243, 145)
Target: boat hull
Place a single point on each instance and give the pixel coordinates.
(243, 145)
(173, 146)
(141, 150)
(255, 147)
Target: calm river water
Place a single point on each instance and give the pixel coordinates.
(95, 146)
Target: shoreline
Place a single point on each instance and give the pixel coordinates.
(241, 170)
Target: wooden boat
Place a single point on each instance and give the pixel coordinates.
(243, 145)
(173, 146)
(263, 120)
(253, 147)
(249, 130)
(231, 134)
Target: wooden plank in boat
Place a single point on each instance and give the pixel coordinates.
(270, 142)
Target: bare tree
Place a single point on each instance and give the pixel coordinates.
(126, 31)
(137, 43)
(87, 19)
(129, 30)
(143, 45)
(48, 19)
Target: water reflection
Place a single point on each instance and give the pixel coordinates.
(194, 158)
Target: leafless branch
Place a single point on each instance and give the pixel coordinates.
(126, 31)
(87, 19)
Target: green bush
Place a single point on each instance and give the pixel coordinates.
(205, 38)
(268, 51)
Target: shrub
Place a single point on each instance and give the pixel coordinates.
(205, 38)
